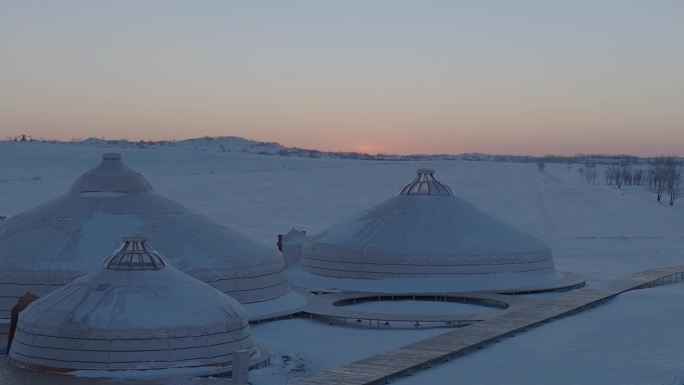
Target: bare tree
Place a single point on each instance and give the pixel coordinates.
(541, 164)
(615, 176)
(657, 176)
(610, 176)
(638, 176)
(589, 173)
(626, 175)
(675, 186)
(673, 179)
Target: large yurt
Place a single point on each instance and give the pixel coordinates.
(136, 312)
(424, 231)
(46, 247)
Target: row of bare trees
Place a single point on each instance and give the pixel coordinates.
(665, 177)
(619, 176)
(589, 173)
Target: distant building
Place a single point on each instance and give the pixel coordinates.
(425, 231)
(136, 312)
(48, 246)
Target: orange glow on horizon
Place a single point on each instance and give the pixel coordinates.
(365, 149)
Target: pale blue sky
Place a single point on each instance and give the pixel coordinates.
(395, 76)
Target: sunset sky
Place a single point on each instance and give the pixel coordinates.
(524, 77)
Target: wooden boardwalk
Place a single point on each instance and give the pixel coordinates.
(332, 306)
(423, 354)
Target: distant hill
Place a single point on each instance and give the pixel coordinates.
(237, 144)
(218, 144)
(232, 144)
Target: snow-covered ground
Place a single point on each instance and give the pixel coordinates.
(595, 230)
(302, 347)
(636, 339)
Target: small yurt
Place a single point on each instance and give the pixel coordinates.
(46, 247)
(290, 245)
(424, 231)
(136, 312)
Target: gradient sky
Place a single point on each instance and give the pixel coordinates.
(379, 76)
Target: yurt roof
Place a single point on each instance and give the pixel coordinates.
(427, 226)
(111, 176)
(117, 297)
(131, 316)
(62, 239)
(426, 229)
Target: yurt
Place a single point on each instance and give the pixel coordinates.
(290, 245)
(46, 247)
(136, 312)
(424, 231)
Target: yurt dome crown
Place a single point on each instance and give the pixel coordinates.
(134, 254)
(111, 176)
(426, 184)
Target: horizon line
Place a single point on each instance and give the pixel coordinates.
(16, 138)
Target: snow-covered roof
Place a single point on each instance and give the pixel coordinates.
(426, 184)
(426, 233)
(55, 242)
(123, 319)
(294, 237)
(111, 176)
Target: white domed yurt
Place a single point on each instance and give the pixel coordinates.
(136, 312)
(424, 231)
(46, 247)
(290, 245)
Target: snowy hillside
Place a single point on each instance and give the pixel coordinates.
(210, 144)
(226, 144)
(599, 231)
(221, 144)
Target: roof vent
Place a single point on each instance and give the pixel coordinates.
(134, 254)
(111, 156)
(426, 184)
